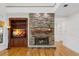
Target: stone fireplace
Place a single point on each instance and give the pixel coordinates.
(42, 39)
(41, 27)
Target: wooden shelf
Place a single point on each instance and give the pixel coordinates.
(20, 24)
(40, 30)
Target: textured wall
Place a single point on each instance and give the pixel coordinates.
(41, 21)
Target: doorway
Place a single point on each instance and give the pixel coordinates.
(18, 32)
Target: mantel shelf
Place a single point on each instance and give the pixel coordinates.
(41, 30)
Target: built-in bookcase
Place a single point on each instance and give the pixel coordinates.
(18, 32)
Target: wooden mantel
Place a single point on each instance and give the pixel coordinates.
(41, 30)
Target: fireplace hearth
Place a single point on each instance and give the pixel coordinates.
(41, 41)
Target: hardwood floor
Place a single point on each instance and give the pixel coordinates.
(60, 50)
(28, 52)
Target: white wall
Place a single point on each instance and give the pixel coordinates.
(71, 37)
(4, 45)
(3, 17)
(67, 30)
(59, 28)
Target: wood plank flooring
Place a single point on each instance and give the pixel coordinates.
(60, 50)
(28, 52)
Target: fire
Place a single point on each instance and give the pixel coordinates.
(18, 32)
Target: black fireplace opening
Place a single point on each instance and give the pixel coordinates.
(41, 41)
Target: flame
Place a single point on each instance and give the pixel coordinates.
(18, 32)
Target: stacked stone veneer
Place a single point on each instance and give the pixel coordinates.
(41, 20)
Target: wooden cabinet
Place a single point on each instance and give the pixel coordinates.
(18, 32)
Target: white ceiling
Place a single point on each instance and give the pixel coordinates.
(50, 7)
(26, 7)
(31, 7)
(29, 4)
(55, 7)
(67, 11)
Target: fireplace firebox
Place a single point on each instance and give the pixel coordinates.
(41, 41)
